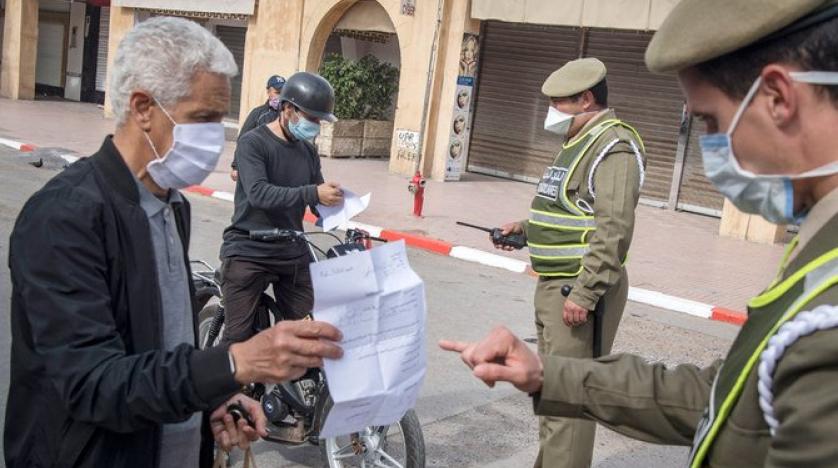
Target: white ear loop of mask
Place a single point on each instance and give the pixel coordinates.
(145, 134)
(742, 107)
(826, 78)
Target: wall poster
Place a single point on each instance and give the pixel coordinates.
(460, 128)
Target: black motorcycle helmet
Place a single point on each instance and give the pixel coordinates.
(310, 93)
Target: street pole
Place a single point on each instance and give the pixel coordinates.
(420, 156)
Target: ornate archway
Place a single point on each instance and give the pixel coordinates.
(416, 34)
(328, 19)
(358, 37)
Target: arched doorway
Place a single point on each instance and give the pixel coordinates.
(357, 48)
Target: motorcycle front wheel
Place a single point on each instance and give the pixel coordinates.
(205, 318)
(400, 445)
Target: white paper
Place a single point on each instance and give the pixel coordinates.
(342, 280)
(351, 206)
(378, 303)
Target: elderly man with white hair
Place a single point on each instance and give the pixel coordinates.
(104, 369)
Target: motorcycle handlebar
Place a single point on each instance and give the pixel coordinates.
(273, 235)
(285, 235)
(354, 235)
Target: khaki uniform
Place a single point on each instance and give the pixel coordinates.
(649, 402)
(772, 401)
(617, 178)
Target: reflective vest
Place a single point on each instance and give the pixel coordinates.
(814, 282)
(559, 229)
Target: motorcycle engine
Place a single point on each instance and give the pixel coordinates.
(275, 409)
(308, 389)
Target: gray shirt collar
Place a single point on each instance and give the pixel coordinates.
(150, 203)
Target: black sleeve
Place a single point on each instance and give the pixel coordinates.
(250, 157)
(60, 271)
(251, 122)
(318, 179)
(318, 172)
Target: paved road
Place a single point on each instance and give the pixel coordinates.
(464, 423)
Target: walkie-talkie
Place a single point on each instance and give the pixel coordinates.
(516, 241)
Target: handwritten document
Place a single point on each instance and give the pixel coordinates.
(378, 303)
(351, 206)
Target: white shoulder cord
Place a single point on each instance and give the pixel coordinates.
(602, 154)
(805, 323)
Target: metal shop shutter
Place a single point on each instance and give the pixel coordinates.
(2, 23)
(651, 103)
(697, 193)
(102, 49)
(233, 38)
(508, 137)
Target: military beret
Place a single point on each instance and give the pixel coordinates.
(700, 30)
(574, 77)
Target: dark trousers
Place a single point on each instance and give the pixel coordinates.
(244, 279)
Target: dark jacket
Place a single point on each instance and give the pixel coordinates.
(260, 115)
(90, 385)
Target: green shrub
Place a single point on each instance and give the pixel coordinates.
(363, 88)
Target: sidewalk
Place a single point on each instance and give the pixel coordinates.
(678, 254)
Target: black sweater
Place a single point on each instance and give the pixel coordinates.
(260, 115)
(277, 180)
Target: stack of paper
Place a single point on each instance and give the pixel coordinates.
(378, 303)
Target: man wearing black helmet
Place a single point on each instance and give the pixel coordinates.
(279, 176)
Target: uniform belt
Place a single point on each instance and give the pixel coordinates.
(554, 278)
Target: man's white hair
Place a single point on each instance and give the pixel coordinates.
(161, 56)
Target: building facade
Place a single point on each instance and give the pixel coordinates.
(470, 72)
(54, 48)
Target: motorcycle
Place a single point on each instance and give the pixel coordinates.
(297, 409)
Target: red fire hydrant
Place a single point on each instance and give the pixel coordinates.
(417, 188)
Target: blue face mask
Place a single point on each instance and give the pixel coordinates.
(770, 196)
(304, 129)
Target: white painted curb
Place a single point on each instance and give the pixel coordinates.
(468, 254)
(640, 295)
(69, 158)
(16, 145)
(665, 301)
(473, 255)
(226, 196)
(11, 143)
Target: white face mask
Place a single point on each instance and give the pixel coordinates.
(193, 156)
(558, 122)
(770, 196)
